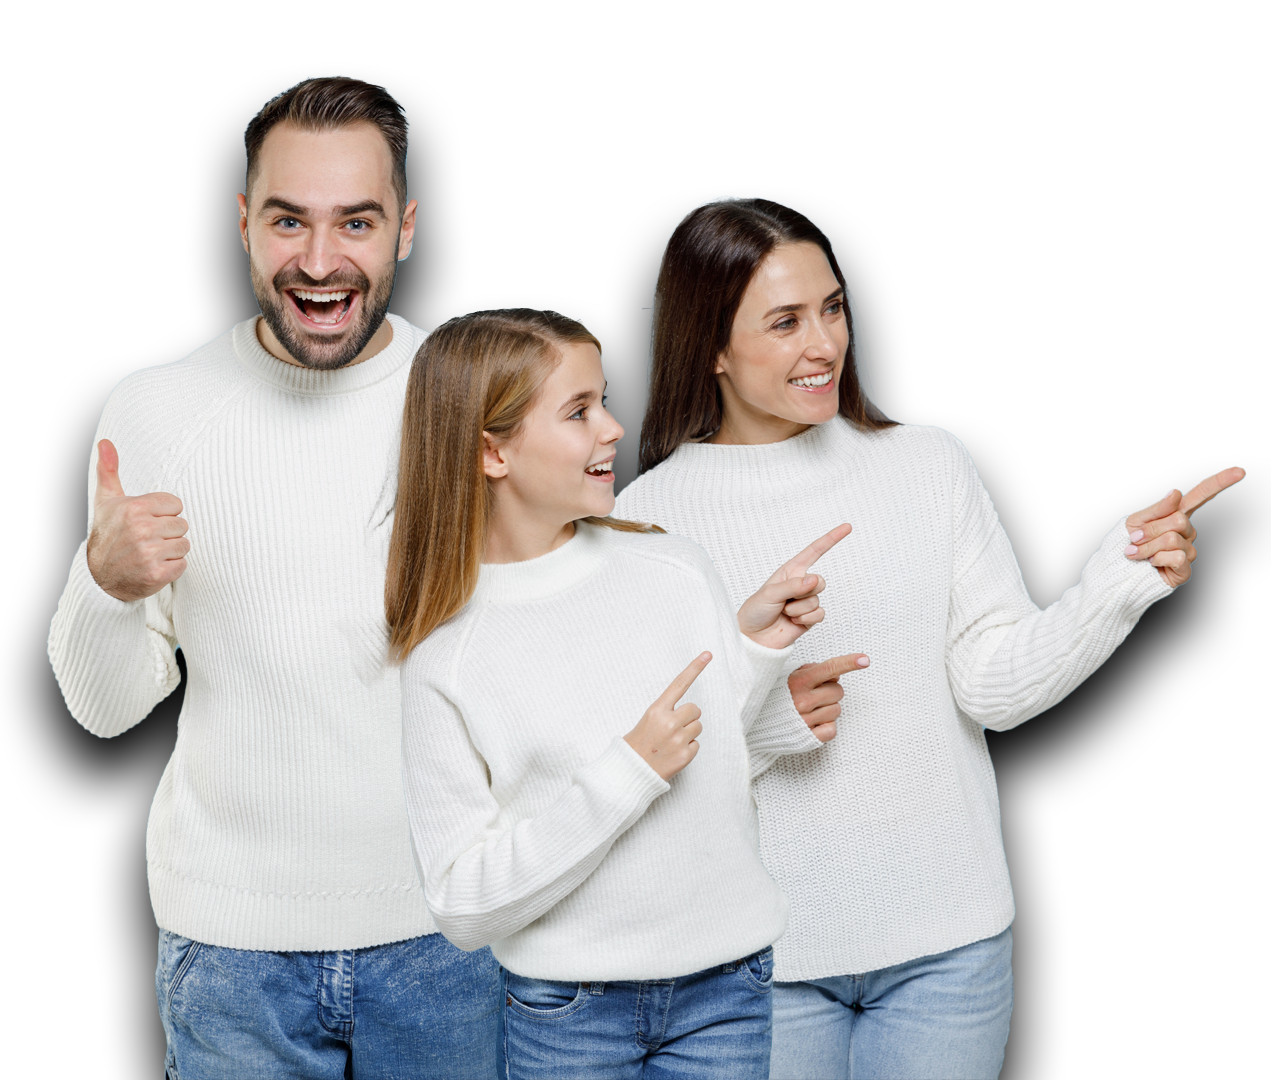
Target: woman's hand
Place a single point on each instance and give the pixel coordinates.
(789, 601)
(1162, 534)
(666, 737)
(816, 693)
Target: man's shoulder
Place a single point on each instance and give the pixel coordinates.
(180, 386)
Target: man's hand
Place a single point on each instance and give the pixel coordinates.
(816, 692)
(138, 544)
(1162, 534)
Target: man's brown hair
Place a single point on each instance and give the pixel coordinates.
(326, 104)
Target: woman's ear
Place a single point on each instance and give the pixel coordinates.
(493, 461)
(721, 368)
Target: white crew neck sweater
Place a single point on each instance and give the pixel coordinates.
(280, 821)
(537, 828)
(889, 843)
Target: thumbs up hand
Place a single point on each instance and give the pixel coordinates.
(138, 542)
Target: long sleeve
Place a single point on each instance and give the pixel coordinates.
(483, 880)
(1007, 660)
(114, 660)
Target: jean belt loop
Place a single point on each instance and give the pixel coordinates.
(597, 988)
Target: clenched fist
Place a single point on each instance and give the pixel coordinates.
(138, 542)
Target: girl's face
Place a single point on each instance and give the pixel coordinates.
(780, 371)
(559, 466)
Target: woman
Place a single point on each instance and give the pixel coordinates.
(897, 959)
(613, 868)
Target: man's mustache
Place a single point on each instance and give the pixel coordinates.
(298, 279)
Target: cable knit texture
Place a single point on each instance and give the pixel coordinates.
(279, 822)
(888, 842)
(538, 829)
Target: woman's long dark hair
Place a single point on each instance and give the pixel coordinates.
(709, 261)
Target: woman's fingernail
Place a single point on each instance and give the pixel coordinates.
(1130, 549)
(1136, 536)
(862, 661)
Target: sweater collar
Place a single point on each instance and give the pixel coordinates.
(297, 380)
(801, 459)
(535, 579)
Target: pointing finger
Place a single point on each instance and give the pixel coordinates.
(800, 563)
(1158, 509)
(682, 681)
(815, 674)
(1207, 489)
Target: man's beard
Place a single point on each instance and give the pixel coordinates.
(315, 350)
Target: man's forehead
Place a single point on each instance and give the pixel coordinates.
(286, 144)
(324, 168)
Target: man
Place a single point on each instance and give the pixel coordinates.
(294, 934)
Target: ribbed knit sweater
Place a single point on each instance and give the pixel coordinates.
(538, 829)
(280, 821)
(888, 842)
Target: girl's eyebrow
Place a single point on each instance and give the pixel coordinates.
(582, 398)
(800, 307)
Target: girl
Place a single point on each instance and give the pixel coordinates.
(610, 858)
(897, 959)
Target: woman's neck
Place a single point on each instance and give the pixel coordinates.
(516, 537)
(750, 427)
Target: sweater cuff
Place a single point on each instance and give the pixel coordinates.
(778, 730)
(88, 599)
(621, 781)
(768, 665)
(1136, 584)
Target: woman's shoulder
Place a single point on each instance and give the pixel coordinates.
(918, 444)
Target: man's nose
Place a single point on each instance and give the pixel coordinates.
(321, 258)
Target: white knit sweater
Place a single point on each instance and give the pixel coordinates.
(280, 821)
(888, 843)
(537, 828)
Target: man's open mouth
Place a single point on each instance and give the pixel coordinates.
(327, 308)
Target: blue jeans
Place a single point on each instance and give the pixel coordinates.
(413, 1009)
(713, 1025)
(945, 1017)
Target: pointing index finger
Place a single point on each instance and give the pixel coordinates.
(800, 563)
(1207, 489)
(680, 684)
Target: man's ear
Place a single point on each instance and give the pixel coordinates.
(493, 461)
(406, 234)
(242, 222)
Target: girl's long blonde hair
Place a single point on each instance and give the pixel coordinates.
(477, 373)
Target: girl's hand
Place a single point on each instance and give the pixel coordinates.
(666, 737)
(789, 601)
(1162, 534)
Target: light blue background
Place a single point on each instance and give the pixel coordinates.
(1102, 332)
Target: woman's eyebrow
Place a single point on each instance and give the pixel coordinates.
(800, 307)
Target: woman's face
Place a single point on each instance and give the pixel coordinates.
(559, 465)
(781, 369)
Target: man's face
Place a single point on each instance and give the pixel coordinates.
(321, 229)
